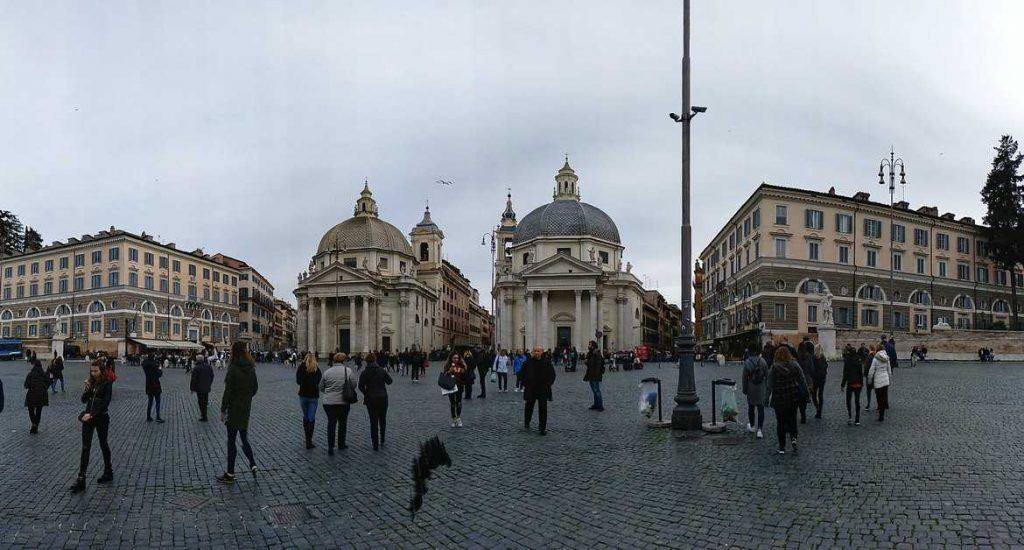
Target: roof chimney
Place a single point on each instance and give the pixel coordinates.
(861, 196)
(967, 219)
(948, 216)
(902, 205)
(929, 210)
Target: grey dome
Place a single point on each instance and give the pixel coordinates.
(365, 232)
(567, 218)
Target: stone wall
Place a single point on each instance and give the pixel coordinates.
(957, 345)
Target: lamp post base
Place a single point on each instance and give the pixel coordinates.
(686, 419)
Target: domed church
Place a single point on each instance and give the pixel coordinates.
(561, 281)
(366, 289)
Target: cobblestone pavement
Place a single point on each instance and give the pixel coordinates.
(944, 469)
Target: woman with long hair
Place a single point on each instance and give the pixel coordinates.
(785, 380)
(240, 386)
(96, 397)
(880, 377)
(308, 377)
(338, 393)
(456, 367)
(819, 375)
(37, 395)
(373, 383)
(853, 381)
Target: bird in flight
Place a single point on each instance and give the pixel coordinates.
(444, 182)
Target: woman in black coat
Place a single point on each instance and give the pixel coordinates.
(201, 382)
(36, 394)
(153, 372)
(853, 381)
(373, 383)
(96, 397)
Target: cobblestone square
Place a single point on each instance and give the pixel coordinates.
(944, 469)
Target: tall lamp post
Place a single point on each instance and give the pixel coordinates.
(686, 414)
(494, 313)
(888, 167)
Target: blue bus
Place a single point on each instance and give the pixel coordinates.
(10, 348)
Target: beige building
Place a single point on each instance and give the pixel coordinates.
(368, 288)
(561, 280)
(768, 271)
(116, 291)
(255, 304)
(284, 325)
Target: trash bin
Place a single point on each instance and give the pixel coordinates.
(648, 397)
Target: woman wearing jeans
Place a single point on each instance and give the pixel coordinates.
(240, 386)
(308, 376)
(784, 382)
(501, 364)
(457, 369)
(594, 375)
(332, 395)
(755, 374)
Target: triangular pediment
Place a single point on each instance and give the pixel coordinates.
(562, 265)
(338, 272)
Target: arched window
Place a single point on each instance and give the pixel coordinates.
(1000, 306)
(963, 302)
(32, 313)
(921, 298)
(636, 314)
(424, 252)
(225, 318)
(148, 307)
(63, 310)
(871, 292)
(96, 307)
(176, 311)
(813, 286)
(207, 316)
(6, 315)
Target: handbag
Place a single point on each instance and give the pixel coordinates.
(446, 381)
(348, 393)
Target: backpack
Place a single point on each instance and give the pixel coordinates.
(758, 375)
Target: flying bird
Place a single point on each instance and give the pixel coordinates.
(444, 182)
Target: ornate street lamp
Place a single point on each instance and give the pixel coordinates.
(888, 166)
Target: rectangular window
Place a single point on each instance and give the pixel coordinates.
(920, 321)
(35, 268)
(872, 257)
(869, 317)
(206, 273)
(95, 282)
(963, 245)
(48, 287)
(812, 314)
(963, 272)
(96, 326)
(192, 270)
(921, 237)
(176, 287)
(814, 219)
(79, 283)
(942, 269)
(755, 218)
(62, 286)
(133, 255)
(97, 256)
(781, 215)
(176, 266)
(112, 325)
(920, 266)
(114, 254)
(812, 251)
(746, 227)
(192, 292)
(1001, 277)
(64, 262)
(897, 261)
(206, 293)
(33, 289)
(8, 272)
(873, 229)
(604, 257)
(982, 274)
(899, 233)
(79, 260)
(942, 241)
(48, 265)
(148, 326)
(163, 285)
(21, 270)
(844, 254)
(148, 282)
(21, 291)
(114, 278)
(163, 262)
(780, 248)
(148, 258)
(899, 319)
(133, 279)
(844, 223)
(844, 316)
(780, 312)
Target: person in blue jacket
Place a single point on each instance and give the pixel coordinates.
(517, 368)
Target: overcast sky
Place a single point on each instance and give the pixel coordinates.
(248, 127)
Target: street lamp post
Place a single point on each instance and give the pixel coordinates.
(889, 165)
(686, 414)
(494, 313)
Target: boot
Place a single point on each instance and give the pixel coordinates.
(312, 432)
(79, 485)
(107, 477)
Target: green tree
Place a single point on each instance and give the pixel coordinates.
(11, 233)
(33, 240)
(1004, 198)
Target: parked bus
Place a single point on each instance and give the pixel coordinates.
(10, 348)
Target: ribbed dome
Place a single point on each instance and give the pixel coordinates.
(567, 218)
(364, 232)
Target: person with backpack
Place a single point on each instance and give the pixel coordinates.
(819, 373)
(853, 381)
(786, 386)
(337, 394)
(470, 376)
(755, 374)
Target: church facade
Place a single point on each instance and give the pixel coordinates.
(561, 281)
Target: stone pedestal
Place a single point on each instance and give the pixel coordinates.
(827, 340)
(57, 344)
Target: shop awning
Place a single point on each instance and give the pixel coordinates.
(167, 344)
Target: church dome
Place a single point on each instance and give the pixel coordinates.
(567, 218)
(365, 230)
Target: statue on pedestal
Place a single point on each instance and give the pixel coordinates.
(826, 310)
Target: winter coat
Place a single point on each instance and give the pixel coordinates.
(458, 372)
(240, 386)
(501, 364)
(373, 382)
(309, 382)
(595, 367)
(757, 394)
(820, 370)
(517, 364)
(890, 351)
(332, 384)
(852, 373)
(538, 377)
(1, 396)
(57, 369)
(202, 378)
(806, 365)
(784, 381)
(879, 372)
(37, 384)
(97, 398)
(153, 374)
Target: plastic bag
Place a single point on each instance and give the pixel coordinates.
(727, 401)
(494, 377)
(648, 398)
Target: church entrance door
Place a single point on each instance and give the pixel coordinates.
(345, 340)
(563, 337)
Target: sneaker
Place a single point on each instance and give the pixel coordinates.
(849, 421)
(782, 451)
(454, 423)
(253, 470)
(760, 435)
(750, 428)
(796, 447)
(226, 478)
(458, 422)
(857, 423)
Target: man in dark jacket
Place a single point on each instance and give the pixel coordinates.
(153, 372)
(890, 350)
(483, 365)
(538, 377)
(594, 375)
(202, 380)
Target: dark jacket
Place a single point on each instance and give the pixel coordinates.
(890, 350)
(309, 382)
(784, 381)
(595, 367)
(806, 361)
(820, 370)
(97, 398)
(852, 372)
(56, 370)
(153, 374)
(202, 378)
(240, 386)
(1, 396)
(538, 377)
(37, 384)
(373, 383)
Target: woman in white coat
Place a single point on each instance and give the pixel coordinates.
(879, 376)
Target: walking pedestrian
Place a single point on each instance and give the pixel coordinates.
(755, 375)
(517, 368)
(337, 394)
(805, 358)
(501, 366)
(880, 375)
(594, 375)
(470, 376)
(240, 385)
(151, 368)
(308, 377)
(373, 383)
(483, 365)
(853, 381)
(456, 367)
(538, 377)
(785, 383)
(36, 394)
(868, 357)
(200, 384)
(819, 373)
(56, 372)
(96, 397)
